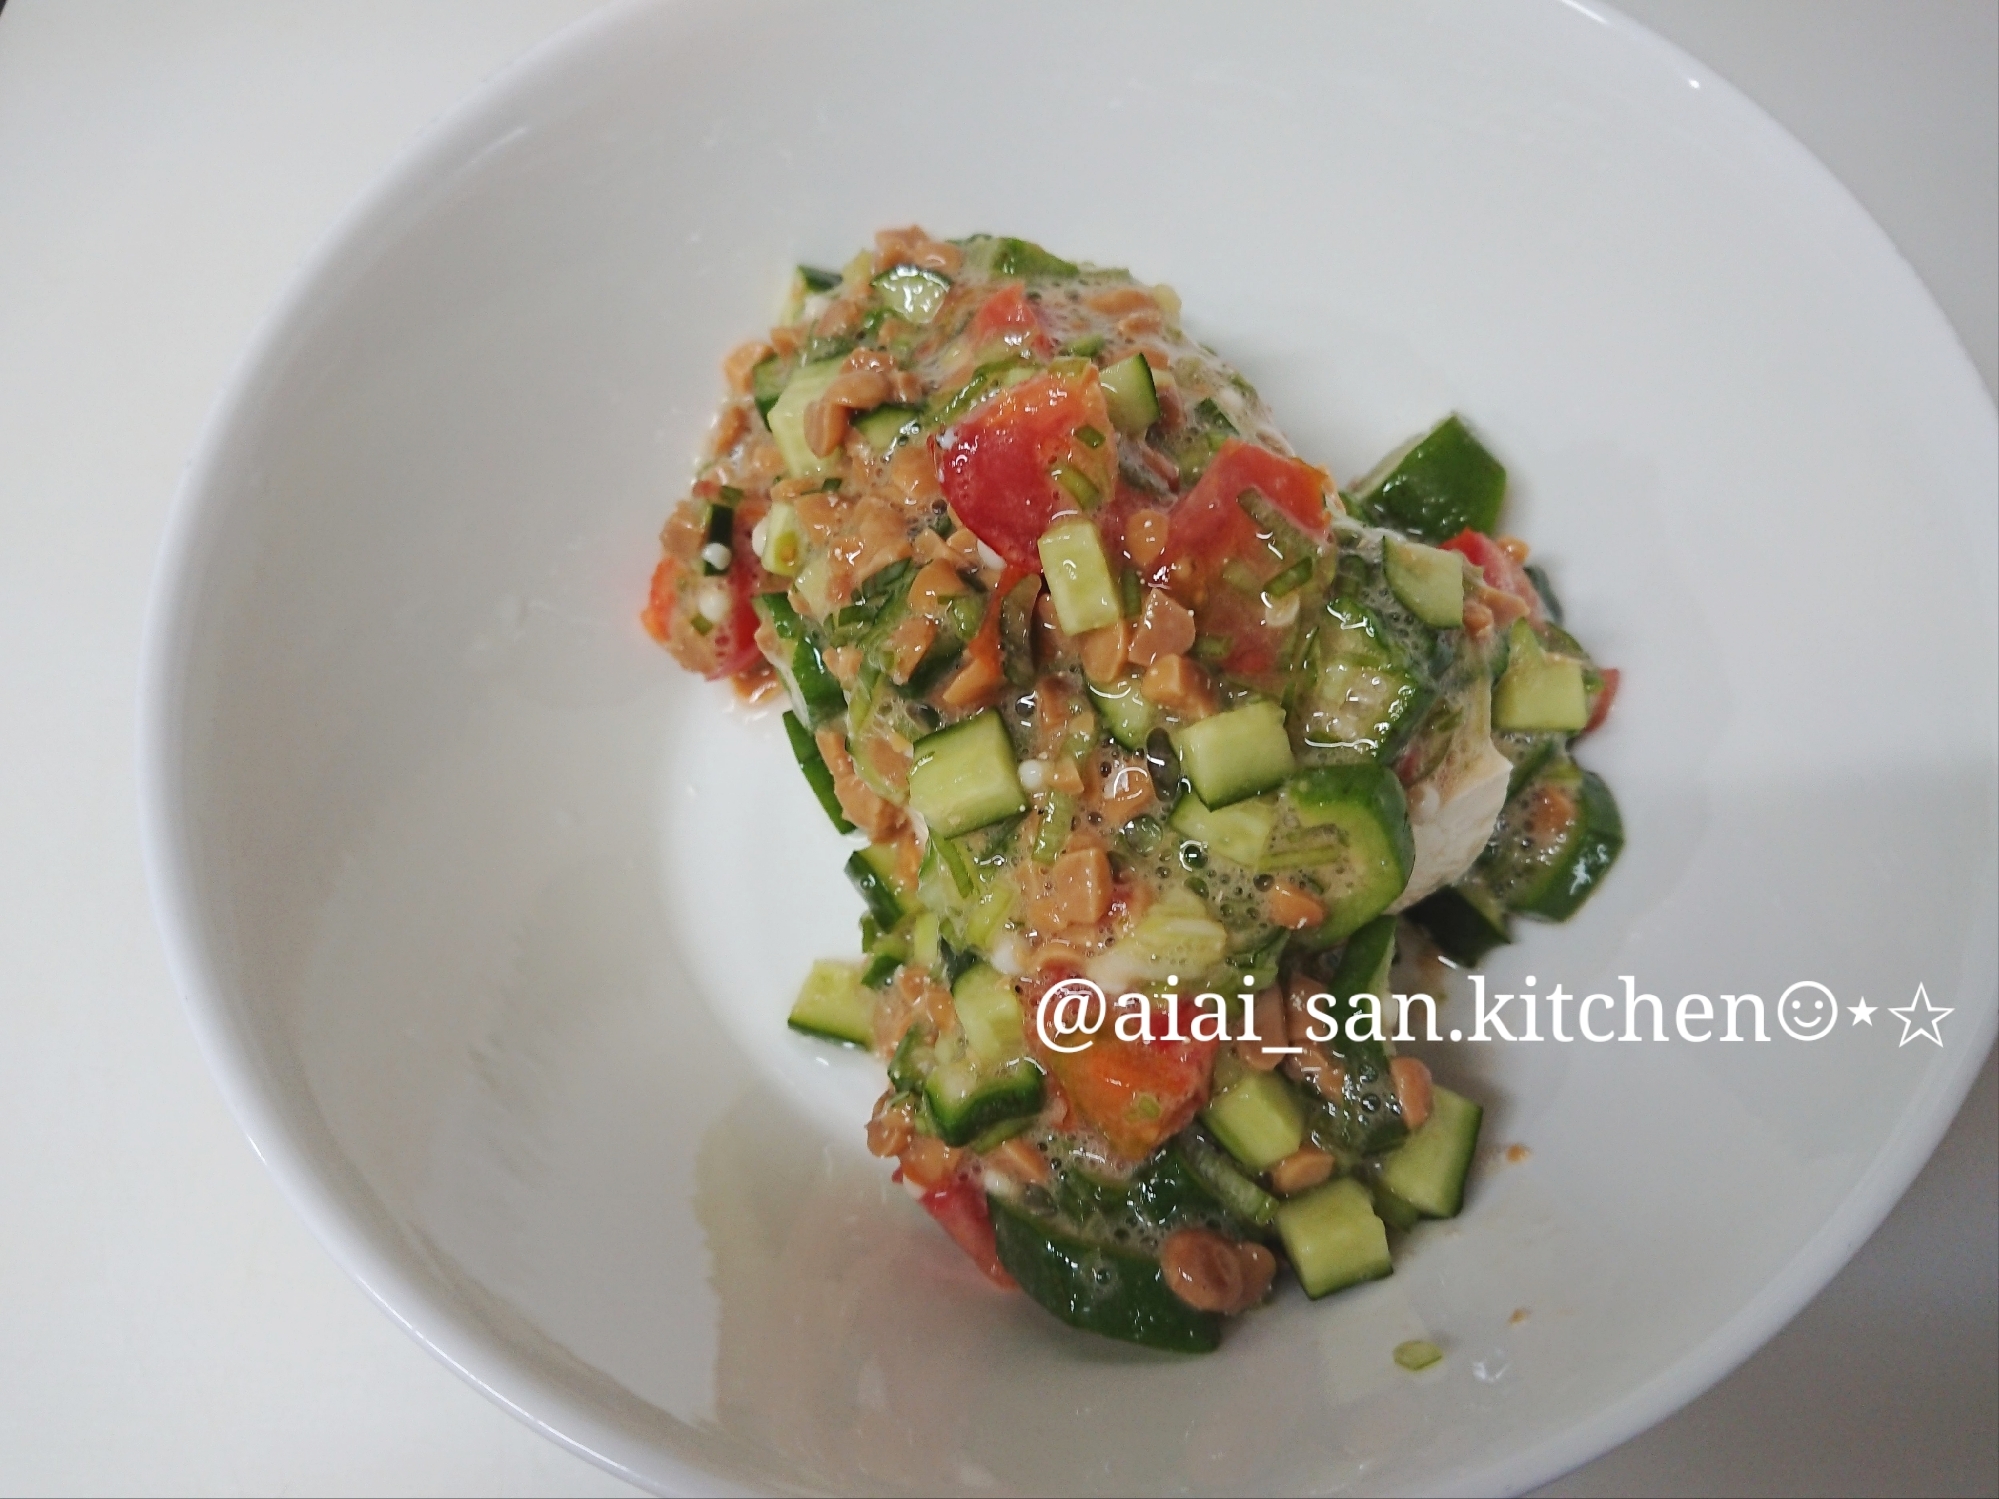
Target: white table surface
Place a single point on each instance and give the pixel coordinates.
(166, 1325)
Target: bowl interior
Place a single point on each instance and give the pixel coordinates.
(490, 917)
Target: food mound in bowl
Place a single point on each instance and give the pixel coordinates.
(1151, 738)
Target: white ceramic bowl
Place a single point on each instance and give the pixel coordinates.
(488, 916)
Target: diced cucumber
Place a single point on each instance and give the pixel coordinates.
(989, 1014)
(1106, 1289)
(1530, 757)
(1333, 1238)
(1079, 576)
(1464, 920)
(1551, 872)
(967, 1099)
(965, 777)
(1126, 712)
(1362, 699)
(1235, 755)
(806, 752)
(1212, 1167)
(1550, 604)
(1393, 1211)
(1427, 1171)
(885, 426)
(786, 419)
(1239, 833)
(1538, 693)
(835, 1004)
(870, 869)
(1352, 823)
(780, 540)
(1364, 966)
(1429, 582)
(1446, 483)
(767, 382)
(1257, 1119)
(912, 293)
(1130, 394)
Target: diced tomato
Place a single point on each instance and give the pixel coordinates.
(996, 465)
(1606, 695)
(1209, 522)
(1500, 570)
(1009, 318)
(1137, 1093)
(959, 1206)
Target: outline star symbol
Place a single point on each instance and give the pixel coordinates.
(1928, 1027)
(1862, 1013)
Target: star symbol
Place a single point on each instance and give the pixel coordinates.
(1928, 1026)
(1862, 1013)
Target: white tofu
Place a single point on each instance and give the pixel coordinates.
(1452, 824)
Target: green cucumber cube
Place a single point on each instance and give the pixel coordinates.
(1079, 577)
(1239, 833)
(1538, 693)
(965, 777)
(989, 1015)
(1257, 1119)
(1130, 395)
(1237, 754)
(1333, 1238)
(1429, 582)
(834, 1004)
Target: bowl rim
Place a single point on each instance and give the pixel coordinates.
(475, 1352)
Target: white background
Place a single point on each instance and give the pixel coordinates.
(165, 1324)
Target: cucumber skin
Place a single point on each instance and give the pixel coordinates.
(1447, 483)
(805, 750)
(1114, 1292)
(1598, 842)
(1555, 890)
(1463, 931)
(1367, 1116)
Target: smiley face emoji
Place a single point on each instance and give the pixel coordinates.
(1807, 1011)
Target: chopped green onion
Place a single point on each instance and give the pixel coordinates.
(1293, 577)
(1078, 485)
(1053, 834)
(1131, 593)
(954, 861)
(1089, 437)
